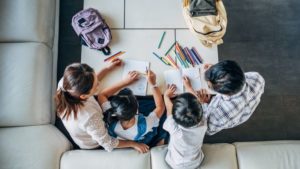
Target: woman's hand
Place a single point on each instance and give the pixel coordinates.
(203, 96)
(170, 92)
(114, 63)
(151, 77)
(140, 147)
(131, 77)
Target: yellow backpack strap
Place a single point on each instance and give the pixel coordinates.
(185, 3)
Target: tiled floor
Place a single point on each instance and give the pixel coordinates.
(261, 35)
(137, 28)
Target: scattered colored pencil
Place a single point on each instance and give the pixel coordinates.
(171, 61)
(180, 60)
(188, 55)
(114, 56)
(197, 54)
(170, 49)
(161, 39)
(160, 58)
(194, 56)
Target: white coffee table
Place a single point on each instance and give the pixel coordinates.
(137, 27)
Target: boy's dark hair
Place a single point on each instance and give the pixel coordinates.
(187, 110)
(226, 77)
(124, 106)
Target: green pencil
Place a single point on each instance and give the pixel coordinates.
(161, 39)
(170, 49)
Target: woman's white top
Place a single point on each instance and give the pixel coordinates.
(89, 131)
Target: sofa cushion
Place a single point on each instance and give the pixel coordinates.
(27, 20)
(25, 80)
(97, 159)
(216, 156)
(35, 147)
(268, 154)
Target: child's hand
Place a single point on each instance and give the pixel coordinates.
(140, 147)
(151, 77)
(207, 66)
(114, 63)
(131, 77)
(170, 92)
(203, 96)
(187, 82)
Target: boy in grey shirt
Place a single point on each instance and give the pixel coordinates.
(186, 127)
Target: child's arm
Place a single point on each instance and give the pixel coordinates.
(169, 93)
(106, 93)
(188, 86)
(113, 64)
(159, 102)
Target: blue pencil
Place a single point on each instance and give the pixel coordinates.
(197, 54)
(193, 56)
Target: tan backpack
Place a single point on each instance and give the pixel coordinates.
(208, 29)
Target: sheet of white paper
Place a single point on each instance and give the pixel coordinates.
(194, 75)
(174, 77)
(140, 86)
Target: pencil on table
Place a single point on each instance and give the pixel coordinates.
(161, 39)
(170, 49)
(197, 54)
(114, 56)
(171, 61)
(188, 55)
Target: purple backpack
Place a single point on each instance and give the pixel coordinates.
(92, 29)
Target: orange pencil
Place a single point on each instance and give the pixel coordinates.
(114, 56)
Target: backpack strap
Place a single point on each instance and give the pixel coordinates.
(111, 129)
(141, 127)
(105, 51)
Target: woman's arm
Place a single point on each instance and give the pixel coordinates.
(106, 93)
(140, 147)
(159, 102)
(113, 64)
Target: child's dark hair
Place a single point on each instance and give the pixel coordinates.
(187, 110)
(226, 77)
(124, 106)
(78, 79)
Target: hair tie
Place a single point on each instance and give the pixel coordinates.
(63, 89)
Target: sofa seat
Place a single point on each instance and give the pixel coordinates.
(268, 155)
(25, 73)
(217, 156)
(28, 20)
(35, 147)
(100, 159)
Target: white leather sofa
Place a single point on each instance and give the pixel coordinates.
(28, 138)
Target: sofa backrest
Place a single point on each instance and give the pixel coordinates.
(28, 59)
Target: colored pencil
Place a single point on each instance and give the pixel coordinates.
(179, 52)
(180, 60)
(171, 61)
(197, 54)
(161, 39)
(114, 56)
(194, 56)
(188, 55)
(170, 49)
(160, 58)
